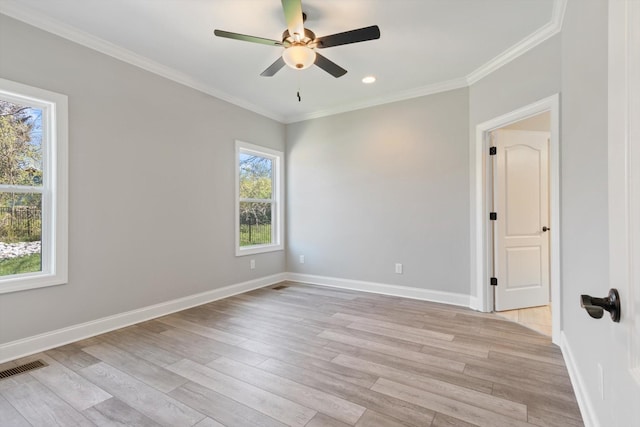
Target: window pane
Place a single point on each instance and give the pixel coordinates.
(256, 177)
(20, 144)
(255, 223)
(20, 233)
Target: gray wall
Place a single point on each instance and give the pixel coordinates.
(151, 185)
(379, 186)
(585, 217)
(529, 78)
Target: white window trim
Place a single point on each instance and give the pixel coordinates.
(54, 190)
(277, 211)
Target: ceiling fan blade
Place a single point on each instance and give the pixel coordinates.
(273, 68)
(353, 36)
(329, 66)
(293, 16)
(245, 38)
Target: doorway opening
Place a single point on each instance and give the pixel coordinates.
(518, 246)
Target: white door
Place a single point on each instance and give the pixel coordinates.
(521, 201)
(623, 389)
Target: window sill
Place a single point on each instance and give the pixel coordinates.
(30, 281)
(258, 249)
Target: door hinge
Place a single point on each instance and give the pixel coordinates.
(493, 151)
(493, 216)
(494, 281)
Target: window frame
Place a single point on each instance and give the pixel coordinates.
(54, 189)
(277, 211)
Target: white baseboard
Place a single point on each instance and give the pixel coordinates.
(382, 288)
(586, 408)
(35, 344)
(476, 304)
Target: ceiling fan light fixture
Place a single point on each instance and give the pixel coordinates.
(299, 57)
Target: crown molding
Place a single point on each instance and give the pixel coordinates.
(25, 14)
(553, 27)
(545, 32)
(40, 21)
(398, 96)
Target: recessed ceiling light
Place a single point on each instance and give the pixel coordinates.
(368, 80)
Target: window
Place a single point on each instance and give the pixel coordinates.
(33, 187)
(258, 199)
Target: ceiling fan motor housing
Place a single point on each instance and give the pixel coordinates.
(307, 39)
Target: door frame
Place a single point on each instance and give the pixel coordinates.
(482, 247)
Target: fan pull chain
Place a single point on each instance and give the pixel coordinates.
(298, 93)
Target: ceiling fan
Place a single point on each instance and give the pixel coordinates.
(300, 43)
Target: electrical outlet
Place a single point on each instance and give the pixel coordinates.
(252, 264)
(398, 268)
(301, 259)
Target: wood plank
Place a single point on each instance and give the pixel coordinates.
(163, 342)
(263, 401)
(442, 388)
(310, 345)
(68, 385)
(543, 418)
(409, 413)
(278, 306)
(208, 422)
(520, 381)
(394, 351)
(72, 356)
(114, 412)
(222, 409)
(309, 397)
(259, 340)
(207, 345)
(322, 420)
(411, 367)
(375, 419)
(398, 343)
(133, 343)
(152, 375)
(205, 331)
(442, 420)
(540, 400)
(408, 330)
(542, 368)
(450, 345)
(301, 360)
(463, 411)
(143, 398)
(39, 405)
(10, 416)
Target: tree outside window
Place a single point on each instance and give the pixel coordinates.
(21, 196)
(258, 199)
(33, 187)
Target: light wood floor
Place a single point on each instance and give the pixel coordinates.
(301, 356)
(536, 318)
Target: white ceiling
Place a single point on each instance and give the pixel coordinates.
(425, 46)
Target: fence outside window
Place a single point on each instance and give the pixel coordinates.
(254, 234)
(20, 223)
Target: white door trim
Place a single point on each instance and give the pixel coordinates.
(480, 231)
